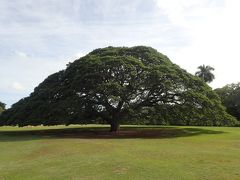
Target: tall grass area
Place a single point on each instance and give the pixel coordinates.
(136, 152)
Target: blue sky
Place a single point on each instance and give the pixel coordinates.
(38, 38)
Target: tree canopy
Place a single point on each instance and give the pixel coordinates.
(116, 85)
(205, 73)
(230, 96)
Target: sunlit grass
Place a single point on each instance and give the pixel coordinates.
(136, 152)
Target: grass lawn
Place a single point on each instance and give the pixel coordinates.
(137, 152)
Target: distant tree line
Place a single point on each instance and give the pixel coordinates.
(2, 107)
(230, 96)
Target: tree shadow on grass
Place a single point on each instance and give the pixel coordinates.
(151, 132)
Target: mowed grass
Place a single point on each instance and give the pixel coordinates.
(136, 152)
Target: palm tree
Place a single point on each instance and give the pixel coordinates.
(205, 73)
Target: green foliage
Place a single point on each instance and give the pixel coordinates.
(230, 96)
(2, 107)
(205, 73)
(117, 85)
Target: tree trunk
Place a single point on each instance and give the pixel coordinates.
(114, 125)
(115, 122)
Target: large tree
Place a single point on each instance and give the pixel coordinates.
(119, 84)
(230, 96)
(205, 73)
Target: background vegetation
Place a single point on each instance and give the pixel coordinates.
(2, 107)
(230, 96)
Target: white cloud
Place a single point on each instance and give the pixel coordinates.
(214, 33)
(17, 86)
(178, 10)
(21, 54)
(79, 55)
(46, 35)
